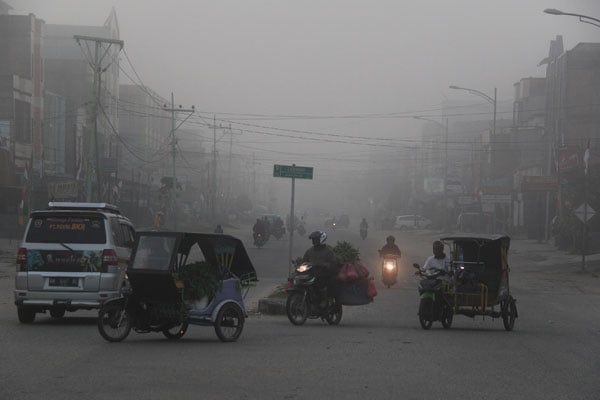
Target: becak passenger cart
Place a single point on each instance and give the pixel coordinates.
(177, 279)
(477, 283)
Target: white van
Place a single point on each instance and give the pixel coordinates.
(405, 222)
(73, 256)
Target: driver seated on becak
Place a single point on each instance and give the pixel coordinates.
(439, 261)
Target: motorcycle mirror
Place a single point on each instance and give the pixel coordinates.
(415, 265)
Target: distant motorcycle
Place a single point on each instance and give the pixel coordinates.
(389, 269)
(260, 239)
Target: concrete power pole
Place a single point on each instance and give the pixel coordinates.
(173, 205)
(230, 132)
(213, 192)
(95, 61)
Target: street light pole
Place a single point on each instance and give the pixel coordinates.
(445, 128)
(494, 102)
(582, 18)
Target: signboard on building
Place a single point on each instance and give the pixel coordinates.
(568, 158)
(496, 198)
(539, 183)
(467, 200)
(4, 134)
(63, 190)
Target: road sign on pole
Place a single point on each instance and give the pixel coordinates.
(584, 212)
(292, 171)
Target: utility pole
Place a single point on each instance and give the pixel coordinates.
(446, 176)
(229, 131)
(213, 191)
(173, 196)
(95, 61)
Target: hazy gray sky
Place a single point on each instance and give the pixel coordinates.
(322, 57)
(328, 57)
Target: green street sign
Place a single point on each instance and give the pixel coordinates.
(292, 171)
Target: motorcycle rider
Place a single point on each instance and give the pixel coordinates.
(364, 225)
(259, 228)
(438, 261)
(390, 247)
(322, 257)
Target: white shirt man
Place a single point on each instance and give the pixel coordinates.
(438, 261)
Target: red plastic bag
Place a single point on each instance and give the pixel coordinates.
(347, 273)
(371, 290)
(361, 270)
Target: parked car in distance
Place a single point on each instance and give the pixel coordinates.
(405, 222)
(73, 256)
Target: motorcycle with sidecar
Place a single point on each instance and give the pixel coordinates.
(177, 279)
(474, 284)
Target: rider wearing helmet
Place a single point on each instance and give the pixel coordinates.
(390, 248)
(322, 256)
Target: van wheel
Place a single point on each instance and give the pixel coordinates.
(57, 312)
(26, 315)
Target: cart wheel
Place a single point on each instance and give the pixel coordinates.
(509, 313)
(114, 323)
(229, 322)
(57, 312)
(334, 316)
(296, 309)
(447, 317)
(425, 309)
(26, 315)
(176, 332)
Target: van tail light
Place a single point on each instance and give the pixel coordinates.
(109, 259)
(22, 259)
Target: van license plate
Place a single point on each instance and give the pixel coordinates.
(64, 282)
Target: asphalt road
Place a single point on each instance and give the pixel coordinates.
(378, 351)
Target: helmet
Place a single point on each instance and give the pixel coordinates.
(390, 239)
(320, 235)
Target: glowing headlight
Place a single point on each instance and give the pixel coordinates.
(303, 268)
(390, 266)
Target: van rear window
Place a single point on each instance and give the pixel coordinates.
(66, 229)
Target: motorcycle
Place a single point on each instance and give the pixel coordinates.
(300, 229)
(363, 234)
(389, 270)
(260, 239)
(433, 305)
(305, 300)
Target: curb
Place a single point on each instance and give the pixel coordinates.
(271, 306)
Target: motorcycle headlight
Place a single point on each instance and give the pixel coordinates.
(303, 267)
(390, 266)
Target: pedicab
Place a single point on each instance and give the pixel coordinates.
(177, 279)
(476, 283)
